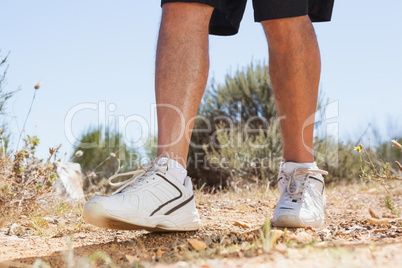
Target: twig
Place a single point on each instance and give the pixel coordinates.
(93, 170)
(26, 119)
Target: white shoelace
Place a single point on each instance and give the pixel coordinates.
(140, 175)
(297, 184)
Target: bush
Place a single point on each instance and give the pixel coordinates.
(244, 100)
(4, 97)
(243, 156)
(229, 108)
(26, 181)
(388, 154)
(338, 159)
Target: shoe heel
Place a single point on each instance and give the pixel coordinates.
(181, 222)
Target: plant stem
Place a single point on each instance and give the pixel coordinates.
(26, 119)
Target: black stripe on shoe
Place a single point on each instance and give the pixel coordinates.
(180, 205)
(171, 200)
(322, 181)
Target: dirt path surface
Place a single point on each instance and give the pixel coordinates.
(230, 236)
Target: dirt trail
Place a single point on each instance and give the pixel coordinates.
(347, 239)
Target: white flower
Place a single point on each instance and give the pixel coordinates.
(79, 153)
(37, 85)
(112, 155)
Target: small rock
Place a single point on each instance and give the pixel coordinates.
(377, 221)
(303, 237)
(374, 214)
(159, 253)
(238, 253)
(69, 185)
(233, 237)
(281, 248)
(50, 220)
(227, 241)
(207, 240)
(242, 224)
(16, 229)
(182, 247)
(275, 234)
(197, 244)
(132, 259)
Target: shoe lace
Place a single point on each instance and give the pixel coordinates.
(297, 183)
(140, 175)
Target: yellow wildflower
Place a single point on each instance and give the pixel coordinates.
(358, 148)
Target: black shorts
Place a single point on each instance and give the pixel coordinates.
(227, 14)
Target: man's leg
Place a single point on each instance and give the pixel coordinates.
(163, 199)
(294, 66)
(182, 63)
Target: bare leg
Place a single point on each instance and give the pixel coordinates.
(182, 64)
(295, 66)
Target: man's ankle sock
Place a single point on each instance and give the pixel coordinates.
(289, 167)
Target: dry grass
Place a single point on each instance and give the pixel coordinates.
(248, 200)
(347, 208)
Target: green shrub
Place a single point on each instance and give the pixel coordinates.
(338, 159)
(243, 96)
(247, 156)
(4, 97)
(387, 153)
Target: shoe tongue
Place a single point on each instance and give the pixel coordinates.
(160, 163)
(289, 167)
(175, 169)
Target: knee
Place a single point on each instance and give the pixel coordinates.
(178, 12)
(282, 29)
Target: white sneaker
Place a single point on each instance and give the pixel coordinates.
(153, 199)
(302, 199)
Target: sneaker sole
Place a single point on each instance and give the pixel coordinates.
(96, 215)
(292, 221)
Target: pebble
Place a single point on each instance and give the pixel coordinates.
(132, 259)
(159, 253)
(16, 229)
(281, 248)
(242, 224)
(374, 214)
(197, 244)
(377, 221)
(275, 234)
(303, 237)
(207, 240)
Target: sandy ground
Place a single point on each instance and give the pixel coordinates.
(348, 238)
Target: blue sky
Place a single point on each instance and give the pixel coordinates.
(92, 51)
